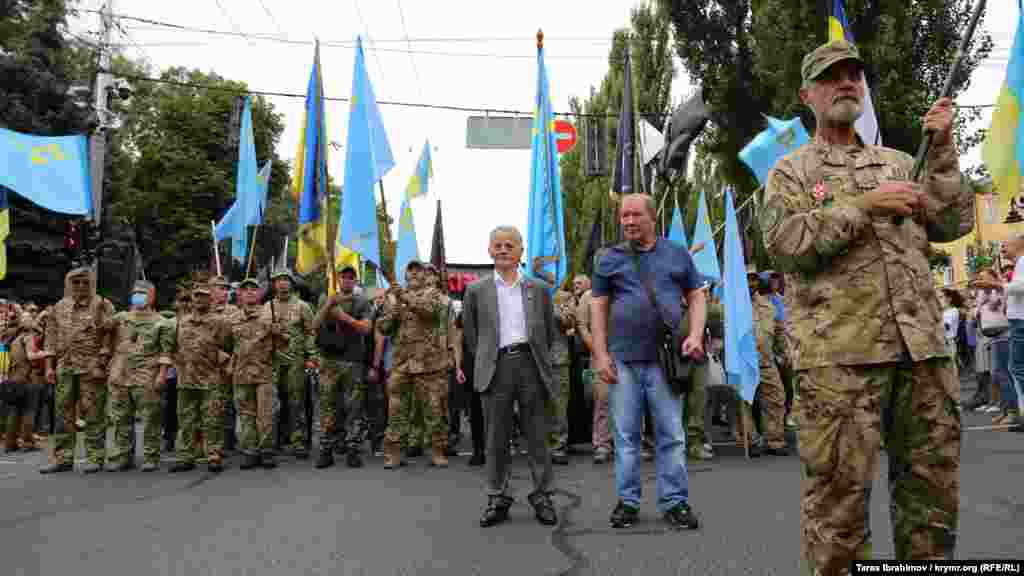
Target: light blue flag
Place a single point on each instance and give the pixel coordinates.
(741, 359)
(780, 138)
(677, 233)
(51, 172)
(545, 232)
(368, 158)
(408, 249)
(706, 259)
(250, 193)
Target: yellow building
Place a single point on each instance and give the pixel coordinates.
(990, 229)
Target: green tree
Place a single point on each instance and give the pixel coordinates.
(747, 55)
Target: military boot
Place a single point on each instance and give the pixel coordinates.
(249, 461)
(57, 467)
(392, 455)
(325, 459)
(28, 441)
(439, 455)
(269, 461)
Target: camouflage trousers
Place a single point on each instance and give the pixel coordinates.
(85, 397)
(415, 430)
(344, 379)
(293, 377)
(773, 403)
(226, 393)
(256, 414)
(845, 414)
(125, 403)
(200, 419)
(430, 388)
(557, 409)
(694, 402)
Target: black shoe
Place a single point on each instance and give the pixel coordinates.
(623, 516)
(681, 517)
(783, 451)
(301, 455)
(353, 459)
(496, 511)
(57, 468)
(182, 467)
(543, 509)
(477, 460)
(215, 467)
(325, 460)
(249, 461)
(414, 452)
(340, 449)
(269, 461)
(559, 458)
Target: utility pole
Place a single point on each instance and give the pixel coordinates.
(101, 104)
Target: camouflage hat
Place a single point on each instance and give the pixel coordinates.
(414, 264)
(430, 268)
(251, 283)
(80, 271)
(282, 273)
(143, 286)
(219, 281)
(824, 56)
(201, 288)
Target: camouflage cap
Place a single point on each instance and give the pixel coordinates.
(281, 273)
(250, 283)
(220, 281)
(80, 271)
(201, 288)
(414, 264)
(143, 286)
(824, 56)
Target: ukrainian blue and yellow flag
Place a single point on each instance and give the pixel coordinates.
(421, 177)
(545, 231)
(839, 31)
(309, 182)
(5, 231)
(1003, 151)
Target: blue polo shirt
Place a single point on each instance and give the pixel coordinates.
(633, 322)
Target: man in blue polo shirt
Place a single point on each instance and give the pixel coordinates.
(627, 358)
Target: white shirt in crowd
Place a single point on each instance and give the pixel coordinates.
(511, 316)
(1015, 292)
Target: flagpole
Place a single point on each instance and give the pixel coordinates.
(252, 250)
(216, 250)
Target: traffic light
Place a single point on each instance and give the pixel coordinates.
(686, 124)
(595, 140)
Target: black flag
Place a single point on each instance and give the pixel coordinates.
(437, 255)
(624, 141)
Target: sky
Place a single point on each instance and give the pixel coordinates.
(479, 54)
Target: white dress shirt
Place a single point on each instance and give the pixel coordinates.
(511, 315)
(1015, 292)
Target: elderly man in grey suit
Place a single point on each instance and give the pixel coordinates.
(509, 327)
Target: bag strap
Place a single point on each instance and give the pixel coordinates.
(645, 279)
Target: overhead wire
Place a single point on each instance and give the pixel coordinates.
(412, 61)
(270, 15)
(369, 39)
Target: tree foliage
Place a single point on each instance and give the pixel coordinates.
(747, 55)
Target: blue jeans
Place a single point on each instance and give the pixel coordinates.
(1012, 397)
(639, 383)
(1000, 364)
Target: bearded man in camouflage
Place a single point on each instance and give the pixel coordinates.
(851, 230)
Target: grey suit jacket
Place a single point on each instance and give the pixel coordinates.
(480, 320)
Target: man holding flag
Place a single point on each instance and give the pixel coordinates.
(846, 223)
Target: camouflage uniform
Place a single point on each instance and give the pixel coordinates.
(17, 419)
(868, 344)
(289, 362)
(557, 407)
(133, 384)
(338, 376)
(77, 336)
(199, 342)
(226, 391)
(253, 341)
(773, 395)
(415, 321)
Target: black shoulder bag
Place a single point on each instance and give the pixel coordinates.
(676, 366)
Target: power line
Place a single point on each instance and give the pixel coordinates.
(369, 39)
(412, 61)
(271, 16)
(446, 107)
(231, 21)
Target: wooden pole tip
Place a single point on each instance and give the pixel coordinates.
(540, 38)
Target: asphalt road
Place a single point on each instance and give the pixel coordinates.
(419, 520)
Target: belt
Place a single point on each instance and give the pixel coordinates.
(514, 349)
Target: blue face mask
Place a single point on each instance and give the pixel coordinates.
(138, 300)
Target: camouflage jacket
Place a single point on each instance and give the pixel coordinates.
(253, 346)
(231, 312)
(78, 336)
(417, 322)
(565, 317)
(198, 343)
(764, 324)
(858, 288)
(297, 317)
(136, 337)
(19, 369)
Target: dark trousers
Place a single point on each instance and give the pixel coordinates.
(516, 381)
(170, 412)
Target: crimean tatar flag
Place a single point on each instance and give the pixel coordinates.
(1003, 151)
(839, 31)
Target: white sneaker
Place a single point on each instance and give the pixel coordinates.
(993, 409)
